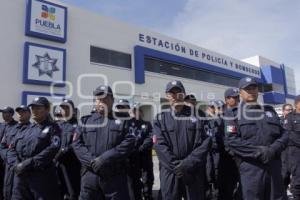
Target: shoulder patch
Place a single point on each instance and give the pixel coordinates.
(231, 129)
(55, 141)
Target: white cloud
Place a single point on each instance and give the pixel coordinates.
(242, 29)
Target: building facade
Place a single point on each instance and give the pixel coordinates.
(50, 48)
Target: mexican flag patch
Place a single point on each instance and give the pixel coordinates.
(231, 129)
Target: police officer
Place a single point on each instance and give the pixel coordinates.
(214, 129)
(35, 148)
(286, 171)
(23, 114)
(257, 139)
(7, 127)
(229, 181)
(9, 121)
(140, 160)
(220, 105)
(293, 126)
(66, 160)
(232, 98)
(191, 101)
(102, 144)
(181, 146)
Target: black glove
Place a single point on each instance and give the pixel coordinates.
(265, 154)
(97, 164)
(24, 166)
(178, 169)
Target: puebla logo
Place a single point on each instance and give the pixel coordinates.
(47, 19)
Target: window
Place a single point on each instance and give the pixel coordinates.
(109, 57)
(174, 69)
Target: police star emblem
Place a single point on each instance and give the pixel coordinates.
(248, 79)
(46, 65)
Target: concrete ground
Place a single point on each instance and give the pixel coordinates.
(156, 185)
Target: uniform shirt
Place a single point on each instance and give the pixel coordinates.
(40, 142)
(180, 140)
(293, 127)
(67, 131)
(143, 144)
(2, 126)
(6, 127)
(215, 129)
(7, 140)
(142, 131)
(7, 133)
(111, 141)
(250, 126)
(67, 155)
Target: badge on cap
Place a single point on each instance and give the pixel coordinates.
(55, 141)
(235, 90)
(174, 82)
(248, 79)
(143, 126)
(231, 129)
(36, 99)
(102, 87)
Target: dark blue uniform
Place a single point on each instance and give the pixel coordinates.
(5, 130)
(255, 137)
(2, 168)
(110, 145)
(67, 162)
(140, 160)
(286, 169)
(214, 129)
(181, 146)
(34, 150)
(293, 127)
(10, 160)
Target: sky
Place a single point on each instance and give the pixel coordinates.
(236, 28)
